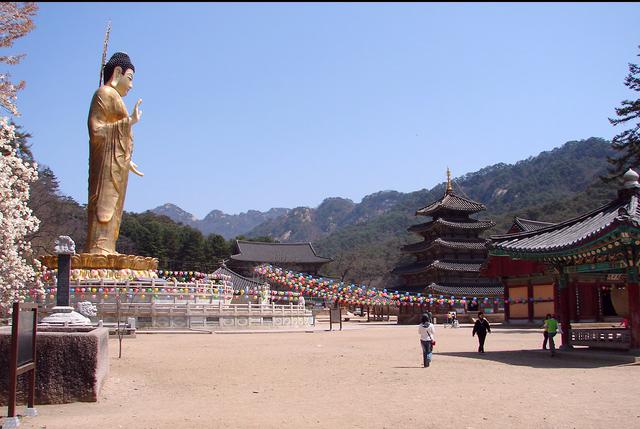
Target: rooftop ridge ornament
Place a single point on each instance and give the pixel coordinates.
(631, 179)
(449, 187)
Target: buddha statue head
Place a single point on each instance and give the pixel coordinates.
(118, 73)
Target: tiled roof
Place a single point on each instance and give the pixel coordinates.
(494, 289)
(574, 232)
(238, 281)
(419, 267)
(451, 201)
(254, 251)
(521, 224)
(473, 224)
(450, 244)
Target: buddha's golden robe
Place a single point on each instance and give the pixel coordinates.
(110, 148)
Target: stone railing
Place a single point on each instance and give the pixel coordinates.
(104, 290)
(204, 315)
(611, 338)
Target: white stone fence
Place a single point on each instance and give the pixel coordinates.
(161, 304)
(187, 315)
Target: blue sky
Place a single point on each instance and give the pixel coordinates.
(253, 106)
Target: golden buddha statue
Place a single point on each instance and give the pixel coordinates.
(111, 147)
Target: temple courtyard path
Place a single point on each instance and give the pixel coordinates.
(367, 376)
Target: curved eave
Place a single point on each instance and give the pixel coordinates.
(478, 225)
(418, 268)
(318, 260)
(494, 289)
(453, 202)
(510, 247)
(473, 246)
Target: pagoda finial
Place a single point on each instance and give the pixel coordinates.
(449, 188)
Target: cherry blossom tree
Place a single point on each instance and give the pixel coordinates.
(19, 271)
(15, 22)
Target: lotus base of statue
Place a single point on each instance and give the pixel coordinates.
(92, 261)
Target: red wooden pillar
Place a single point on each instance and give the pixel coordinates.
(507, 306)
(565, 310)
(633, 291)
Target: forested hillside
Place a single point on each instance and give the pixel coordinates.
(364, 238)
(552, 186)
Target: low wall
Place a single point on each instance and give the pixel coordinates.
(71, 365)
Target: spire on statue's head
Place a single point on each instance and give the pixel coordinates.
(449, 188)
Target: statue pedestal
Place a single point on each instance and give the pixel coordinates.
(92, 261)
(65, 316)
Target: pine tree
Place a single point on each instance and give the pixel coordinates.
(627, 143)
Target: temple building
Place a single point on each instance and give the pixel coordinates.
(449, 257)
(300, 257)
(584, 269)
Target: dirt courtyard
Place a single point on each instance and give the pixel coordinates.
(367, 376)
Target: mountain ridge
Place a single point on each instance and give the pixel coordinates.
(218, 222)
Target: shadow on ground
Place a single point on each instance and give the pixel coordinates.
(542, 359)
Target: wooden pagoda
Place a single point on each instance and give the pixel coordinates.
(581, 258)
(449, 257)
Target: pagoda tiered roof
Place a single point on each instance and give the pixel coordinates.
(452, 250)
(472, 224)
(453, 202)
(491, 288)
(447, 244)
(437, 265)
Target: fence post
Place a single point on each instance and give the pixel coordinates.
(153, 313)
(188, 314)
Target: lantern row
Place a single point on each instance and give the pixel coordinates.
(353, 294)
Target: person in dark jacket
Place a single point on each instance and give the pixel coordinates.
(481, 327)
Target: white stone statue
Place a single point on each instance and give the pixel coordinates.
(87, 309)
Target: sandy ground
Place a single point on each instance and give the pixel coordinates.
(367, 376)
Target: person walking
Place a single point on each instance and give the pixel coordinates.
(427, 331)
(551, 328)
(481, 327)
(545, 334)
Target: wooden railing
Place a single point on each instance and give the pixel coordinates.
(611, 338)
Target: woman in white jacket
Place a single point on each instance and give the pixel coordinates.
(427, 331)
